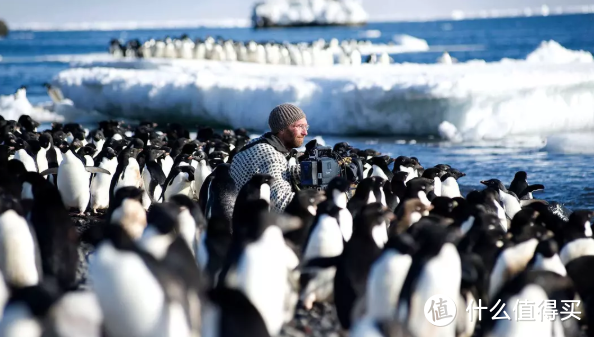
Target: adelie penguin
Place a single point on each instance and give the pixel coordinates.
(325, 241)
(73, 179)
(180, 180)
(128, 171)
(153, 176)
(521, 188)
(107, 159)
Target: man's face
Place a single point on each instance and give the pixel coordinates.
(294, 135)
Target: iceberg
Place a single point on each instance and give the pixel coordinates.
(479, 100)
(293, 13)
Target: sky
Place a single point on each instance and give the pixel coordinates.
(76, 11)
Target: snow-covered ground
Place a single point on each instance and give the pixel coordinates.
(551, 92)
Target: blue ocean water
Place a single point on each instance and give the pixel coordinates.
(29, 58)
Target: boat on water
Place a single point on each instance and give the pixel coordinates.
(308, 13)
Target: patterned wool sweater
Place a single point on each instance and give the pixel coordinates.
(269, 156)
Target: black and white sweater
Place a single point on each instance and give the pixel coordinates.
(268, 156)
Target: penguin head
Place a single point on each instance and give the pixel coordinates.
(258, 187)
(403, 162)
(200, 155)
(381, 161)
(184, 202)
(109, 153)
(28, 123)
(156, 153)
(371, 215)
(185, 158)
(416, 185)
(456, 173)
(443, 167)
(307, 199)
(580, 222)
(521, 175)
(495, 184)
(45, 139)
(189, 148)
(47, 85)
(432, 173)
(88, 150)
(75, 146)
(136, 143)
(417, 165)
(59, 137)
(164, 217)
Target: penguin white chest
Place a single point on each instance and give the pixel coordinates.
(101, 183)
(262, 275)
(131, 175)
(73, 182)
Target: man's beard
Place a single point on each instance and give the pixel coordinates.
(297, 142)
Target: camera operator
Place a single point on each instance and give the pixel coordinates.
(270, 154)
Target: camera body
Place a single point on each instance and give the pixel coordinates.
(319, 168)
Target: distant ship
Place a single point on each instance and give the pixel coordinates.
(308, 13)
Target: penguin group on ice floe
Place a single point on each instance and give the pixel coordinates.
(178, 250)
(316, 53)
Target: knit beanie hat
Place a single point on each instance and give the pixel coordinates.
(284, 115)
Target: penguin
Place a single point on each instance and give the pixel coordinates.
(520, 187)
(39, 155)
(203, 170)
(128, 171)
(577, 236)
(510, 202)
(325, 241)
(436, 269)
(125, 210)
(152, 298)
(221, 194)
(449, 186)
(231, 313)
(262, 262)
(54, 93)
(56, 234)
(405, 164)
(21, 260)
(379, 167)
(192, 222)
(304, 206)
(364, 195)
(153, 177)
(410, 213)
(356, 260)
(179, 181)
(73, 180)
(162, 229)
(434, 174)
(258, 187)
(23, 156)
(337, 192)
(106, 159)
(97, 138)
(387, 276)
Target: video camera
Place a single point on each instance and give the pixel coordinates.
(321, 164)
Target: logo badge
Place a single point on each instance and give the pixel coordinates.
(440, 310)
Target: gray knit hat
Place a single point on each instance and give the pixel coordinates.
(284, 115)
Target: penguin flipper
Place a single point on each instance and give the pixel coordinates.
(321, 262)
(94, 169)
(51, 170)
(532, 188)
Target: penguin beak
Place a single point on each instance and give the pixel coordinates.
(483, 182)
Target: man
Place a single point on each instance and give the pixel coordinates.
(270, 154)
